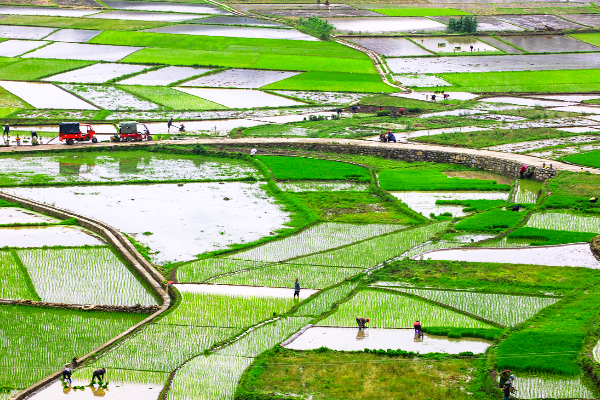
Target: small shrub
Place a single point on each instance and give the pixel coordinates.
(383, 113)
(319, 27)
(464, 24)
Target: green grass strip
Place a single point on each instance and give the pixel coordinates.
(333, 82)
(544, 237)
(35, 68)
(302, 168)
(493, 220)
(432, 179)
(473, 205)
(172, 98)
(33, 295)
(589, 159)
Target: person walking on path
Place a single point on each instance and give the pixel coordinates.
(504, 376)
(362, 322)
(508, 387)
(169, 125)
(67, 373)
(522, 170)
(297, 289)
(99, 373)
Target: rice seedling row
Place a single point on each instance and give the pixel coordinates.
(563, 221)
(282, 275)
(59, 335)
(325, 300)
(494, 220)
(124, 376)
(13, 279)
(545, 237)
(264, 337)
(504, 309)
(84, 276)
(209, 378)
(544, 386)
(293, 168)
(389, 310)
(527, 191)
(161, 347)
(433, 180)
(314, 239)
(203, 270)
(172, 98)
(374, 251)
(208, 309)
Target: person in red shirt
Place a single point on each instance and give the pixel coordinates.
(522, 170)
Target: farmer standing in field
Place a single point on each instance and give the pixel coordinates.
(7, 133)
(361, 321)
(169, 124)
(297, 289)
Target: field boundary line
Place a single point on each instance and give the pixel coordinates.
(144, 269)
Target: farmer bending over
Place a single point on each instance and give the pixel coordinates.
(66, 374)
(417, 326)
(361, 321)
(99, 373)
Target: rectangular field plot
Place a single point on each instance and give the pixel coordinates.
(563, 221)
(527, 191)
(389, 310)
(174, 99)
(13, 280)
(425, 202)
(13, 48)
(234, 31)
(229, 306)
(97, 73)
(241, 78)
(84, 276)
(45, 95)
(73, 35)
(374, 251)
(31, 68)
(202, 270)
(534, 22)
(432, 179)
(164, 7)
(164, 76)
(315, 186)
(14, 215)
(392, 47)
(240, 98)
(547, 386)
(144, 16)
(160, 347)
(571, 255)
(82, 51)
(282, 275)
(504, 309)
(49, 11)
(326, 299)
(110, 98)
(346, 339)
(24, 32)
(38, 236)
(314, 239)
(292, 168)
(549, 44)
(208, 378)
(57, 333)
(459, 44)
(383, 25)
(264, 337)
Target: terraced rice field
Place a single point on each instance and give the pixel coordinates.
(562, 221)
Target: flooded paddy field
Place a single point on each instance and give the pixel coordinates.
(144, 16)
(38, 236)
(237, 21)
(147, 213)
(164, 76)
(351, 339)
(98, 73)
(391, 47)
(425, 202)
(13, 48)
(234, 31)
(22, 32)
(46, 95)
(73, 35)
(240, 98)
(385, 25)
(82, 51)
(534, 22)
(241, 78)
(49, 11)
(486, 23)
(14, 215)
(549, 44)
(164, 7)
(459, 44)
(438, 65)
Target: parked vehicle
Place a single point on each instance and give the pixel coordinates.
(132, 131)
(74, 131)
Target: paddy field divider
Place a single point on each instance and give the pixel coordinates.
(140, 265)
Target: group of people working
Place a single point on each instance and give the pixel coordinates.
(67, 372)
(387, 137)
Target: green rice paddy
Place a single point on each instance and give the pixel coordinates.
(493, 220)
(432, 179)
(589, 159)
(33, 68)
(301, 168)
(202, 270)
(326, 299)
(172, 98)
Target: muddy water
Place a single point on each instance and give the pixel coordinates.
(424, 202)
(572, 255)
(219, 127)
(421, 81)
(230, 290)
(569, 97)
(179, 221)
(351, 339)
(437, 65)
(549, 44)
(585, 19)
(459, 44)
(391, 47)
(14, 215)
(386, 24)
(499, 44)
(38, 236)
(527, 191)
(539, 21)
(521, 101)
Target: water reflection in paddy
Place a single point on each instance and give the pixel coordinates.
(351, 339)
(14, 215)
(176, 222)
(38, 236)
(425, 202)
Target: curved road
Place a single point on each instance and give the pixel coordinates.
(257, 142)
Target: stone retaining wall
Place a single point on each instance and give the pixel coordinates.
(137, 309)
(487, 163)
(115, 238)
